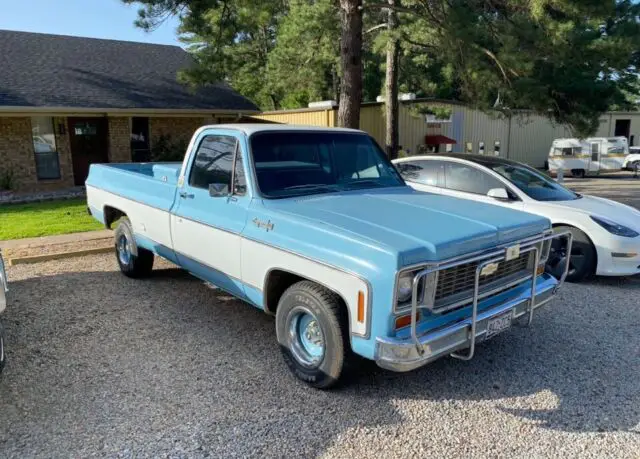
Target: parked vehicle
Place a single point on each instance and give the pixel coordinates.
(316, 227)
(3, 305)
(591, 156)
(606, 234)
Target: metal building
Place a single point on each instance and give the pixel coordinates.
(523, 136)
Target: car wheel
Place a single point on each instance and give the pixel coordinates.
(3, 354)
(312, 330)
(583, 259)
(135, 266)
(578, 173)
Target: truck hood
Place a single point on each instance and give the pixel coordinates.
(419, 226)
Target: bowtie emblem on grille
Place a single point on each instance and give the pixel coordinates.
(490, 269)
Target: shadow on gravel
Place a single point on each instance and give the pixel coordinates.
(99, 363)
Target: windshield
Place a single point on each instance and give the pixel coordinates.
(299, 163)
(533, 183)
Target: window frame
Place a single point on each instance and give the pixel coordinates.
(55, 149)
(192, 162)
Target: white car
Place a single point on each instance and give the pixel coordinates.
(606, 234)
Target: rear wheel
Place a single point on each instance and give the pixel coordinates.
(578, 173)
(312, 331)
(131, 265)
(583, 259)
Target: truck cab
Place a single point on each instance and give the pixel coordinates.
(316, 227)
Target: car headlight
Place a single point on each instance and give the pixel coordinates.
(426, 288)
(615, 228)
(405, 287)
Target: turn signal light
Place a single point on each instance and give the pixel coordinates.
(405, 321)
(360, 307)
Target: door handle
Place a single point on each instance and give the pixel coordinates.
(185, 195)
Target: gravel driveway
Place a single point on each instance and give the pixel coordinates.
(101, 365)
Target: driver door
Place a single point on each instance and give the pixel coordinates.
(596, 155)
(206, 225)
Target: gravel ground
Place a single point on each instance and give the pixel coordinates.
(101, 365)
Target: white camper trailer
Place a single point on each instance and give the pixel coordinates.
(591, 156)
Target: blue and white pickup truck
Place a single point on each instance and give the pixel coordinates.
(316, 227)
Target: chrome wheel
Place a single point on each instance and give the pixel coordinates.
(124, 250)
(305, 337)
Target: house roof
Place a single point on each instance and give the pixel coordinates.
(56, 71)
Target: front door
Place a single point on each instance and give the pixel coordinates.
(89, 139)
(206, 229)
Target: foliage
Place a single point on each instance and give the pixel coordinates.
(166, 148)
(568, 60)
(7, 180)
(419, 110)
(48, 218)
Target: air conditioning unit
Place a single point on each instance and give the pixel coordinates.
(407, 96)
(323, 104)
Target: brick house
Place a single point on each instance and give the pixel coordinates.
(67, 102)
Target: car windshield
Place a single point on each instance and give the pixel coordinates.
(307, 162)
(533, 183)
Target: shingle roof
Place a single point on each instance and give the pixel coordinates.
(41, 70)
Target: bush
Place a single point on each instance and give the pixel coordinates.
(166, 148)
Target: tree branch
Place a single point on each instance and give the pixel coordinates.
(374, 28)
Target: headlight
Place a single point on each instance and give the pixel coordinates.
(615, 228)
(405, 287)
(426, 288)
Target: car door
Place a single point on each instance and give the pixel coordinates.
(596, 152)
(467, 181)
(206, 225)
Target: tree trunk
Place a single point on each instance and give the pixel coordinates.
(391, 85)
(351, 62)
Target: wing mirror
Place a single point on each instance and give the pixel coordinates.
(218, 190)
(499, 194)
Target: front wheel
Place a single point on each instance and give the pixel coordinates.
(582, 263)
(312, 331)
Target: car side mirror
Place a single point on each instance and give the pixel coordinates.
(218, 190)
(498, 193)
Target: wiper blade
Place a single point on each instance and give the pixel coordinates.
(309, 186)
(364, 182)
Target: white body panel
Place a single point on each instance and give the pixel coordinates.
(259, 259)
(576, 213)
(146, 220)
(195, 240)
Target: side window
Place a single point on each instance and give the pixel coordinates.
(461, 177)
(213, 162)
(423, 172)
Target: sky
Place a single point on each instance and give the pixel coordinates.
(87, 18)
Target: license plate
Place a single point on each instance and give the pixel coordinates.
(499, 324)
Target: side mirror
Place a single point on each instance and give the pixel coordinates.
(498, 193)
(217, 190)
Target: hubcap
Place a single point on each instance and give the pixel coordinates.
(124, 250)
(305, 337)
(558, 258)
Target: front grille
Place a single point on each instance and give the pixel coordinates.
(456, 284)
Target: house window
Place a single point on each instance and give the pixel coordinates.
(44, 147)
(140, 139)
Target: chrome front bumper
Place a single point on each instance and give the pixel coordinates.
(407, 354)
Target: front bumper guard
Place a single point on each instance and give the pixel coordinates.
(407, 354)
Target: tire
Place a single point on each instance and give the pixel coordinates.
(578, 173)
(583, 256)
(3, 353)
(134, 266)
(309, 314)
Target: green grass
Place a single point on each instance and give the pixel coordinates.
(18, 221)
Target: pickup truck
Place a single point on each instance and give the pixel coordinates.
(316, 227)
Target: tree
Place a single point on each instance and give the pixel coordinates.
(391, 84)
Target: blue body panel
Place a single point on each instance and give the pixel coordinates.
(369, 233)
